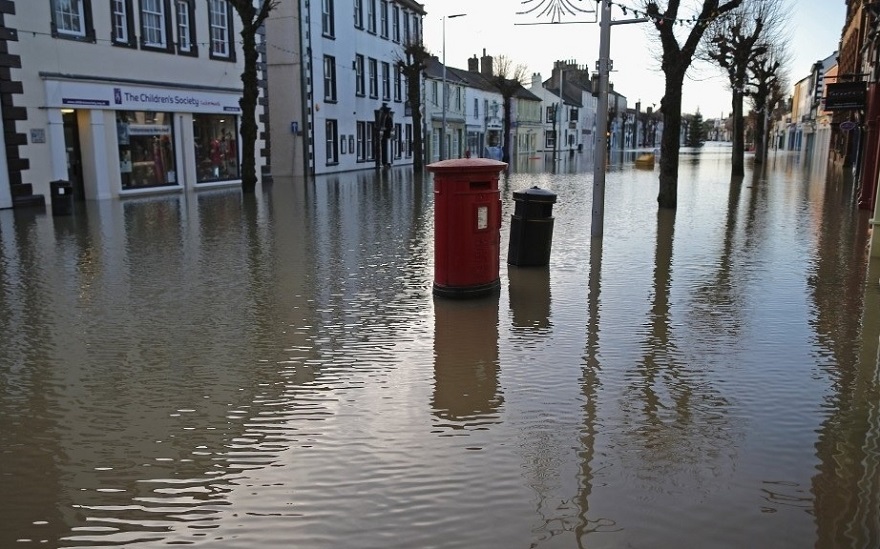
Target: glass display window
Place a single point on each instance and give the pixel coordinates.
(216, 147)
(146, 149)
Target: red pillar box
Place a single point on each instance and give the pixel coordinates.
(467, 226)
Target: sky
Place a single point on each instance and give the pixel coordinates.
(814, 28)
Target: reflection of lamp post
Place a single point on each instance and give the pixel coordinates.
(443, 107)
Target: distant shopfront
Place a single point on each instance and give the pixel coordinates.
(134, 139)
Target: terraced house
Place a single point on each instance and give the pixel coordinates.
(338, 98)
(118, 97)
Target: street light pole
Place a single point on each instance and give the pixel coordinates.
(443, 107)
(600, 159)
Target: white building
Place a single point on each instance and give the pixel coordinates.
(456, 106)
(337, 97)
(120, 98)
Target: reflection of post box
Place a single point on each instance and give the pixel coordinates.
(467, 226)
(466, 389)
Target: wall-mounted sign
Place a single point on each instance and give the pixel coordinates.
(75, 93)
(847, 126)
(38, 135)
(845, 96)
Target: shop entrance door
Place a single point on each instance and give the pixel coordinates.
(74, 156)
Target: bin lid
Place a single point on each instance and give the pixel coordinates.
(535, 194)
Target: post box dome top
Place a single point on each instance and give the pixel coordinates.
(466, 164)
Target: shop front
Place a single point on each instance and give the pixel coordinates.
(136, 139)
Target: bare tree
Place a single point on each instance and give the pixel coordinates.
(252, 18)
(507, 79)
(734, 41)
(766, 93)
(676, 59)
(413, 64)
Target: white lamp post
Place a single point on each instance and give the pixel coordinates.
(443, 107)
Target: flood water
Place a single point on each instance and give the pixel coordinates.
(208, 370)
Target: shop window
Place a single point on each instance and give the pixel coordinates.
(220, 24)
(146, 149)
(186, 28)
(216, 147)
(122, 32)
(72, 19)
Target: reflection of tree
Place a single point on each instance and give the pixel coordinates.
(847, 322)
(682, 416)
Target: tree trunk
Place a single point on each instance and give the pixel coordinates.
(670, 143)
(759, 137)
(737, 165)
(248, 104)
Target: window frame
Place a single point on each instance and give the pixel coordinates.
(359, 14)
(87, 31)
(361, 151)
(371, 16)
(398, 84)
(193, 49)
(127, 41)
(331, 141)
(330, 79)
(328, 22)
(229, 34)
(395, 24)
(360, 84)
(386, 81)
(383, 19)
(164, 30)
(373, 69)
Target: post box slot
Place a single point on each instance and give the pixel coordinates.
(479, 185)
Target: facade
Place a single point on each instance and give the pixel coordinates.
(456, 106)
(338, 96)
(120, 98)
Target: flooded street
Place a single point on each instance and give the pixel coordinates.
(274, 372)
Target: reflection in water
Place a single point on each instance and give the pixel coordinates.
(529, 289)
(273, 370)
(466, 394)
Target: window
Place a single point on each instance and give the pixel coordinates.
(434, 87)
(215, 140)
(406, 27)
(368, 147)
(358, 14)
(146, 149)
(371, 16)
(551, 114)
(374, 78)
(154, 25)
(459, 100)
(386, 80)
(359, 82)
(329, 78)
(476, 109)
(395, 23)
(332, 139)
(186, 28)
(398, 141)
(383, 18)
(122, 33)
(416, 37)
(408, 140)
(327, 26)
(550, 139)
(398, 83)
(572, 113)
(361, 141)
(72, 19)
(220, 24)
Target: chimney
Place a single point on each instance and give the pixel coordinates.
(536, 80)
(486, 65)
(473, 64)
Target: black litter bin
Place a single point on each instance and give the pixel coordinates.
(61, 194)
(531, 228)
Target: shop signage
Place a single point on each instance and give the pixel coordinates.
(848, 125)
(67, 94)
(845, 96)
